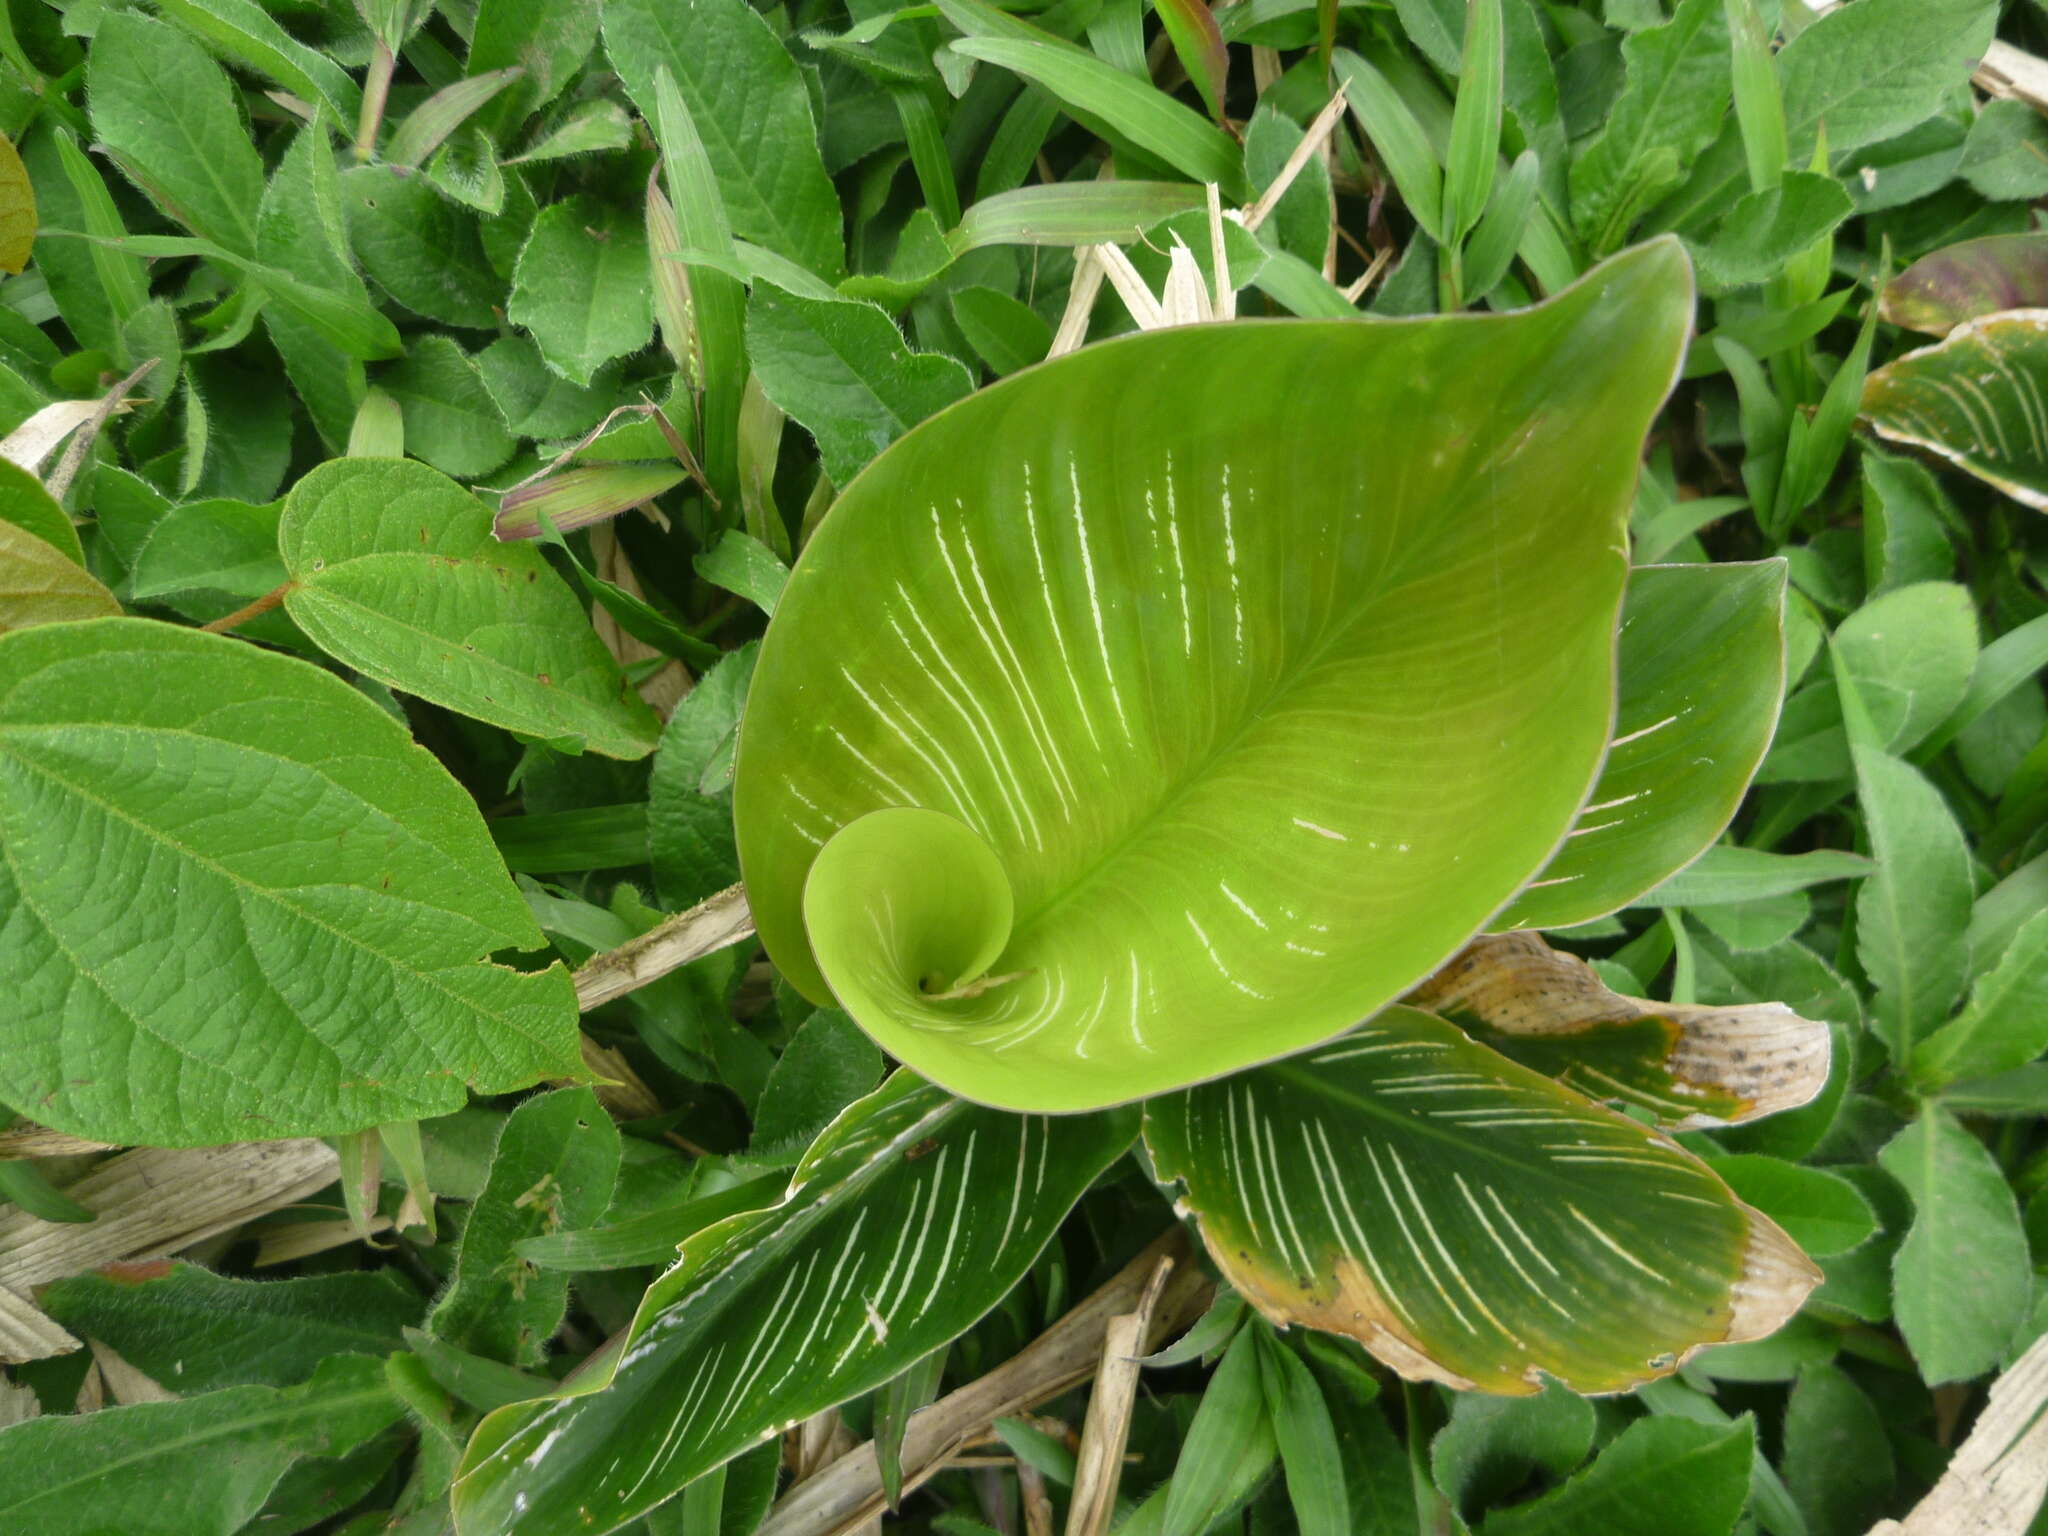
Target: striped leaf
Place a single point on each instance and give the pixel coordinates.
(1702, 668)
(1207, 720)
(1689, 1066)
(1469, 1221)
(1976, 399)
(912, 1216)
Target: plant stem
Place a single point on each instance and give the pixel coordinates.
(376, 91)
(243, 615)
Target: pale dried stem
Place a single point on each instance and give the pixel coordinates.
(1081, 292)
(1995, 1481)
(711, 925)
(619, 1089)
(27, 1139)
(668, 686)
(1098, 1466)
(848, 1493)
(1312, 143)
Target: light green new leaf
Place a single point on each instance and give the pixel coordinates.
(911, 1216)
(1976, 399)
(581, 286)
(553, 1169)
(202, 1466)
(201, 837)
(747, 99)
(1962, 1281)
(1690, 1066)
(396, 574)
(40, 584)
(1913, 913)
(840, 368)
(1702, 676)
(1119, 659)
(1726, 874)
(1910, 655)
(1467, 1220)
(169, 118)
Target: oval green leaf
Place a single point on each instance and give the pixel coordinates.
(39, 585)
(911, 1216)
(304, 901)
(396, 574)
(1224, 684)
(1467, 1220)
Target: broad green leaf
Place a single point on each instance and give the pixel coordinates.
(1910, 655)
(422, 249)
(1701, 665)
(1975, 399)
(1838, 1456)
(229, 911)
(747, 100)
(743, 565)
(25, 504)
(534, 400)
(40, 584)
(1690, 1066)
(1231, 1426)
(911, 1217)
(1492, 1444)
(1905, 525)
(1094, 623)
(243, 31)
(1967, 281)
(827, 1064)
(450, 418)
(1660, 1477)
(396, 574)
(1728, 874)
(1766, 230)
(588, 129)
(1469, 1221)
(581, 287)
(554, 1167)
(300, 229)
(1007, 333)
(1148, 117)
(1399, 140)
(2006, 153)
(548, 42)
(1913, 913)
(1671, 107)
(191, 1330)
(2006, 1023)
(1475, 122)
(123, 279)
(1962, 1280)
(17, 209)
(199, 1467)
(208, 558)
(840, 369)
(1820, 1211)
(169, 118)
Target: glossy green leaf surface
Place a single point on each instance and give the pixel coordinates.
(907, 1220)
(1702, 668)
(1216, 695)
(1467, 1220)
(1976, 399)
(141, 773)
(397, 574)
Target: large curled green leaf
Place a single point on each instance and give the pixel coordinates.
(908, 1219)
(1205, 723)
(232, 878)
(1467, 1220)
(1702, 668)
(395, 573)
(1976, 398)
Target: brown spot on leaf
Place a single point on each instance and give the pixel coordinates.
(137, 1271)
